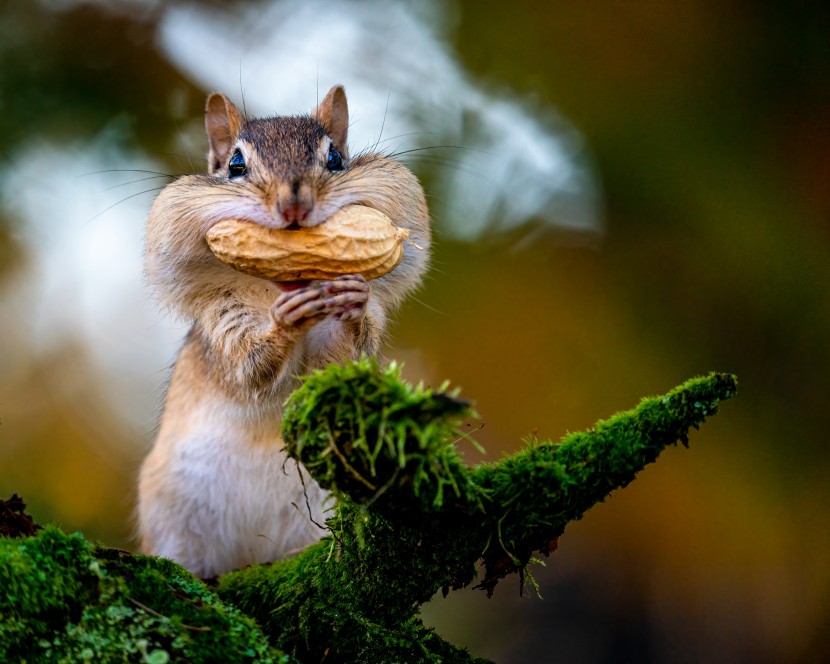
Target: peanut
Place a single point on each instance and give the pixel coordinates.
(354, 240)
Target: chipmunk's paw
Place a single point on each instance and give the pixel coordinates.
(343, 298)
(347, 297)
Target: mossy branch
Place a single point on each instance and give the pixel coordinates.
(409, 518)
(417, 520)
(63, 599)
(535, 493)
(364, 433)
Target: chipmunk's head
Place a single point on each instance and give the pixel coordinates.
(286, 168)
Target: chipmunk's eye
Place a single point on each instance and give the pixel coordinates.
(236, 166)
(335, 162)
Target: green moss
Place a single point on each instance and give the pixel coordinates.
(362, 432)
(398, 534)
(64, 600)
(410, 519)
(535, 493)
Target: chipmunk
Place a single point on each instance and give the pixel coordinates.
(215, 493)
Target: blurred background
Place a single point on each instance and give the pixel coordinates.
(637, 194)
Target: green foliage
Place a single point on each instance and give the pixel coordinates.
(535, 493)
(378, 443)
(361, 431)
(410, 519)
(62, 599)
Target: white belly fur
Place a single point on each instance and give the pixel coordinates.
(218, 493)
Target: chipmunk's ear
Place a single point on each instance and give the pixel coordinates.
(222, 123)
(333, 114)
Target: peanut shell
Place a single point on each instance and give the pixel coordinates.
(354, 240)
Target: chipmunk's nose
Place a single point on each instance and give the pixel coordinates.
(296, 203)
(296, 212)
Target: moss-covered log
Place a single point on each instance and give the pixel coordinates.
(412, 519)
(63, 599)
(409, 518)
